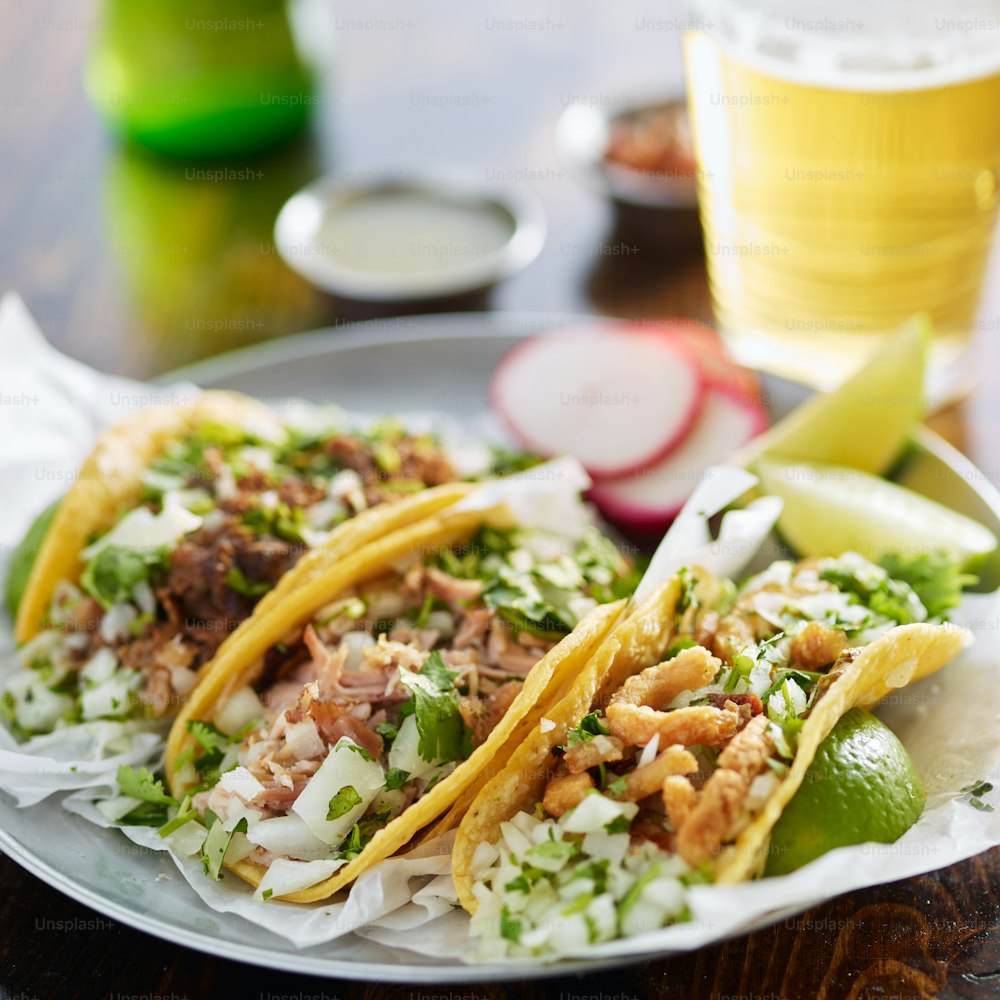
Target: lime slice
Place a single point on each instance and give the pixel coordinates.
(831, 509)
(866, 421)
(861, 788)
(23, 560)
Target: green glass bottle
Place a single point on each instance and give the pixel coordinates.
(200, 78)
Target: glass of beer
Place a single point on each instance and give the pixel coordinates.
(848, 160)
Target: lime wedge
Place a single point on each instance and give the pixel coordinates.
(831, 509)
(861, 787)
(865, 422)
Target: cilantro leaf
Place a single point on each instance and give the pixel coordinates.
(443, 733)
(509, 927)
(589, 727)
(237, 582)
(143, 785)
(395, 778)
(343, 802)
(935, 579)
(620, 824)
(216, 846)
(112, 574)
(360, 751)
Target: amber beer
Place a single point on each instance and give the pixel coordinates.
(836, 205)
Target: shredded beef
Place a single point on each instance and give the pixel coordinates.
(298, 493)
(196, 586)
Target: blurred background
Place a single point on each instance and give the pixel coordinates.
(138, 263)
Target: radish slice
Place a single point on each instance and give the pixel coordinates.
(651, 499)
(618, 399)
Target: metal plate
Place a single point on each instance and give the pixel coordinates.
(439, 362)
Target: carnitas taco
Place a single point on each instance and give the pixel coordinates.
(180, 523)
(673, 756)
(355, 712)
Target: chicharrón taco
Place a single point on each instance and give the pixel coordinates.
(673, 756)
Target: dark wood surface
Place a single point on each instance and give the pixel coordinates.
(136, 266)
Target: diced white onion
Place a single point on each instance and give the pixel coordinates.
(288, 837)
(594, 813)
(404, 752)
(303, 741)
(546, 725)
(649, 751)
(143, 530)
(355, 642)
(239, 710)
(284, 877)
(116, 620)
(100, 666)
(144, 597)
(242, 783)
(110, 698)
(117, 806)
(343, 767)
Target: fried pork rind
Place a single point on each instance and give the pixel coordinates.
(610, 679)
(326, 577)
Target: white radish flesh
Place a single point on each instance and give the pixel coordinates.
(649, 500)
(618, 399)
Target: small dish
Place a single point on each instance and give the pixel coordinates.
(408, 238)
(641, 159)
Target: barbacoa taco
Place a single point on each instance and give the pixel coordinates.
(673, 756)
(180, 523)
(355, 712)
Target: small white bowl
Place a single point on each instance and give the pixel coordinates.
(407, 237)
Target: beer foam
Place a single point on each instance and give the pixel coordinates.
(857, 45)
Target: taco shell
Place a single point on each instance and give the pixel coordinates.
(900, 655)
(240, 663)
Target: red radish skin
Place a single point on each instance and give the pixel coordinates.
(659, 375)
(648, 501)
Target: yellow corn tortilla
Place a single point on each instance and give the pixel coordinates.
(240, 663)
(110, 481)
(900, 655)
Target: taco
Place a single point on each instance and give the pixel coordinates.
(671, 759)
(180, 523)
(355, 713)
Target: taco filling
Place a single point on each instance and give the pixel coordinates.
(651, 788)
(224, 514)
(385, 692)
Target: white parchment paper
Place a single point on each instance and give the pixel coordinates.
(53, 407)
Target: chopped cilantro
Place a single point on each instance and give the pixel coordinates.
(143, 785)
(588, 727)
(509, 927)
(619, 786)
(112, 574)
(620, 824)
(632, 896)
(216, 846)
(443, 734)
(360, 751)
(973, 794)
(343, 802)
(935, 579)
(387, 731)
(238, 583)
(395, 778)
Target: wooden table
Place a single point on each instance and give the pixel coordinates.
(136, 266)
